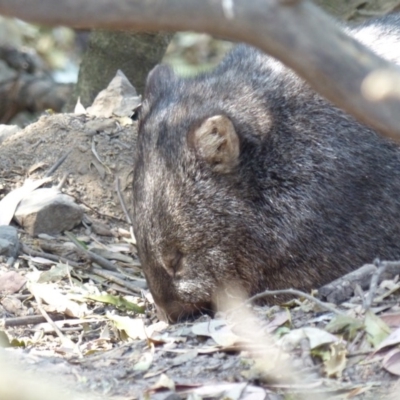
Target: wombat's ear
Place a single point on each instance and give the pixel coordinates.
(159, 78)
(217, 142)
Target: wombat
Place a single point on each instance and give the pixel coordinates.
(246, 175)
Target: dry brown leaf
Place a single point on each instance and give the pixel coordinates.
(391, 362)
(9, 203)
(51, 295)
(392, 340)
(218, 331)
(392, 320)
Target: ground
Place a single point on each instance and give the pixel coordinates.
(106, 341)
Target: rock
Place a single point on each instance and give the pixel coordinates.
(48, 211)
(101, 229)
(9, 242)
(11, 282)
(119, 99)
(8, 130)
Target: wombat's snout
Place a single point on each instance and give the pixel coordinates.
(176, 312)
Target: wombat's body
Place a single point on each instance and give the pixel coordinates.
(246, 175)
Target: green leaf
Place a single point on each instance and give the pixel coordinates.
(376, 329)
(117, 301)
(129, 327)
(4, 341)
(75, 240)
(55, 274)
(348, 326)
(19, 343)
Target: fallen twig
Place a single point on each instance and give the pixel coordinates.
(29, 320)
(121, 282)
(380, 269)
(92, 256)
(57, 164)
(342, 288)
(34, 253)
(294, 292)
(62, 181)
(122, 202)
(125, 210)
(100, 214)
(387, 294)
(49, 320)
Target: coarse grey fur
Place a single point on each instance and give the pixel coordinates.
(311, 195)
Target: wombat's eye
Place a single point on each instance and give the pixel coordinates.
(173, 263)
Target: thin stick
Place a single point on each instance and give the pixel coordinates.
(297, 293)
(115, 279)
(380, 269)
(29, 320)
(57, 164)
(92, 256)
(34, 253)
(48, 319)
(122, 201)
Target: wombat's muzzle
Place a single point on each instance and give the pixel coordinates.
(176, 312)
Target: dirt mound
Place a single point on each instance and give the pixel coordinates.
(96, 152)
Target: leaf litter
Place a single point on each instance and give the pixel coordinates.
(79, 299)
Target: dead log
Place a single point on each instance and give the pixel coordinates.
(296, 32)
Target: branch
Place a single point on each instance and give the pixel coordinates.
(296, 32)
(295, 292)
(342, 289)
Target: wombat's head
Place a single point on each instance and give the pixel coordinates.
(192, 191)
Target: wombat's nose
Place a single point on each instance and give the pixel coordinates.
(176, 312)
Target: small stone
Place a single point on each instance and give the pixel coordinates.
(83, 148)
(83, 170)
(101, 125)
(48, 211)
(11, 282)
(9, 242)
(101, 229)
(12, 304)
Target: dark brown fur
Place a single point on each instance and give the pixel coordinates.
(246, 175)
